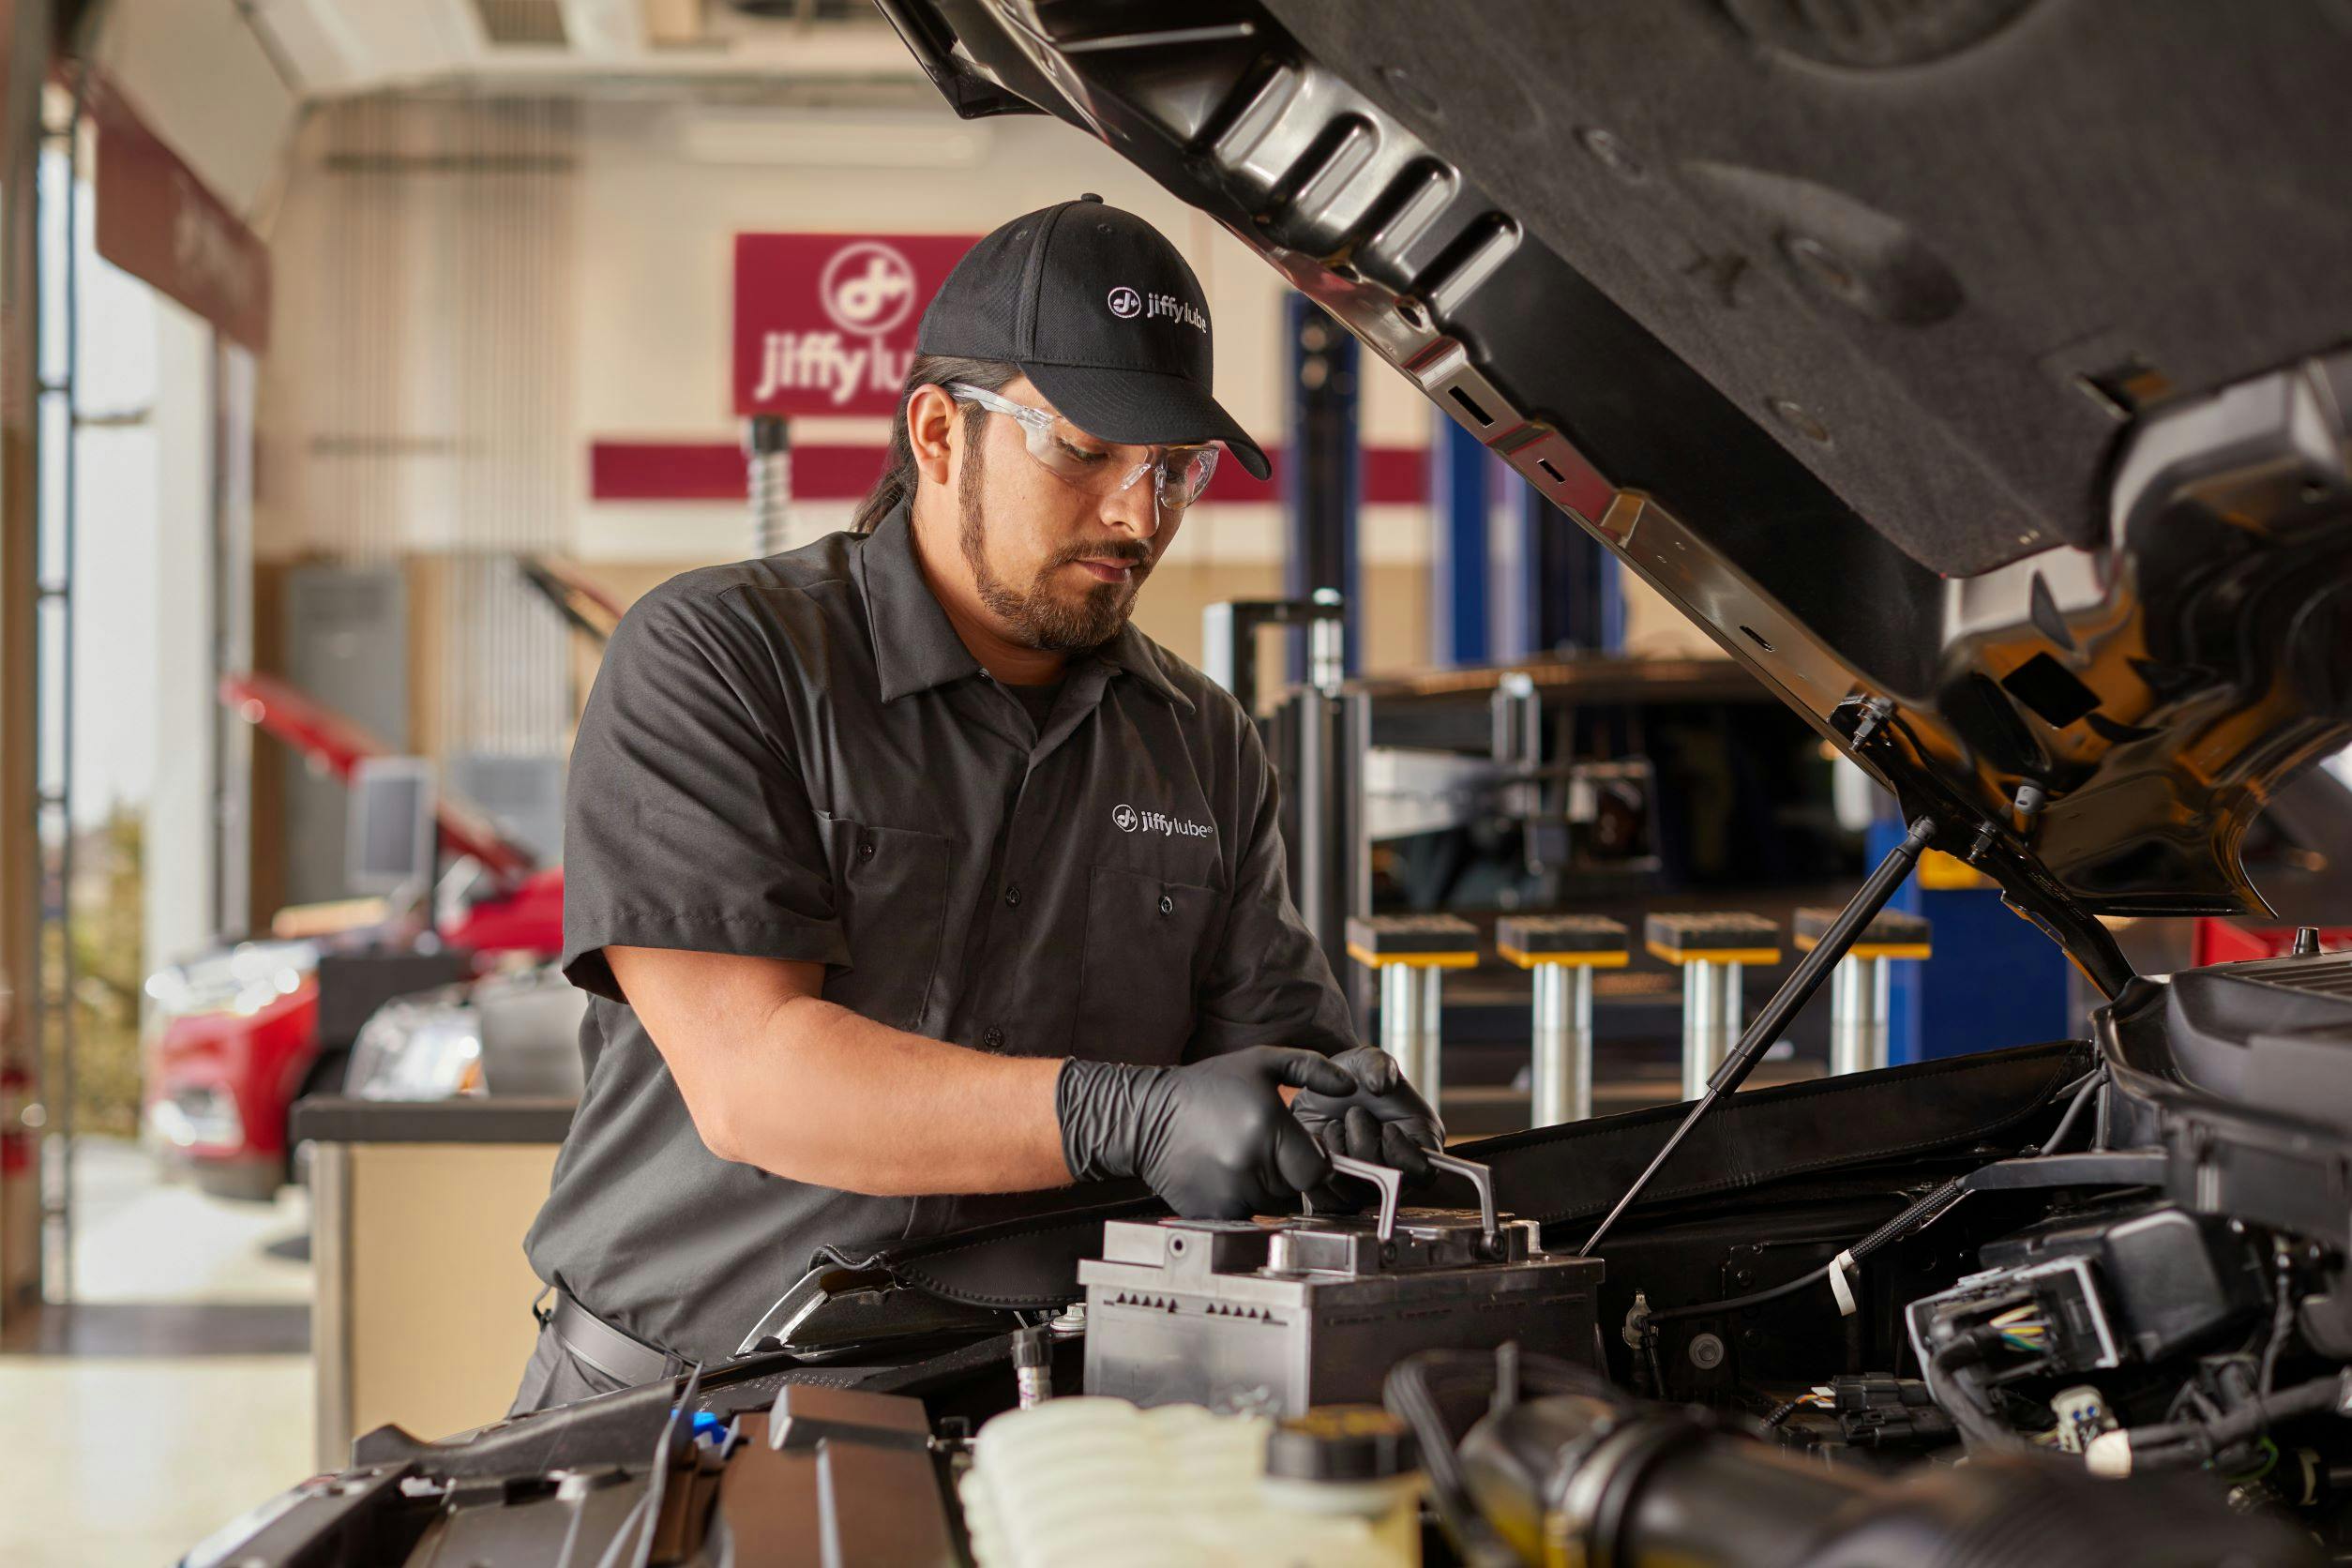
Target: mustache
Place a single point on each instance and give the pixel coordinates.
(1133, 553)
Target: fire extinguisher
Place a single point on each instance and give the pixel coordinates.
(16, 1135)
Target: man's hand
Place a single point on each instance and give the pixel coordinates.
(1212, 1137)
(1380, 1117)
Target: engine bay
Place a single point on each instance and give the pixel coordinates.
(2056, 1303)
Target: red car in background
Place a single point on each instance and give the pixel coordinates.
(241, 1033)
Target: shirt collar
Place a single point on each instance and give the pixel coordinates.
(1136, 655)
(916, 646)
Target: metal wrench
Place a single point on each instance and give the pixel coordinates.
(1482, 1182)
(1390, 1180)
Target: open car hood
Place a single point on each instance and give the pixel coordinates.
(1973, 370)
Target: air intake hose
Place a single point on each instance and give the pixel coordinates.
(1577, 1479)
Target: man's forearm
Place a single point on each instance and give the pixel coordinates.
(825, 1095)
(775, 1076)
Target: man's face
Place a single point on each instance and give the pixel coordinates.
(1060, 569)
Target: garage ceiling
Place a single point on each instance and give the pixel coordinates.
(223, 82)
(336, 48)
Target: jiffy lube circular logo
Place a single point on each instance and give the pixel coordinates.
(1124, 817)
(1124, 301)
(866, 288)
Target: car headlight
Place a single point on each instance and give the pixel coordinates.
(242, 979)
(415, 1050)
(206, 1114)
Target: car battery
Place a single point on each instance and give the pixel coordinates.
(1281, 1315)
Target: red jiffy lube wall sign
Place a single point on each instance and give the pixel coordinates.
(824, 324)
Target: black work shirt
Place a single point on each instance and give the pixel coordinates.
(798, 757)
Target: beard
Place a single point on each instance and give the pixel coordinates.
(1035, 616)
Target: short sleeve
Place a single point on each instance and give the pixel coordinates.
(1269, 983)
(687, 823)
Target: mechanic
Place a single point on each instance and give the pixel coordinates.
(911, 880)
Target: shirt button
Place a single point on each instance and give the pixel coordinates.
(994, 1038)
(1013, 897)
(866, 849)
(1167, 905)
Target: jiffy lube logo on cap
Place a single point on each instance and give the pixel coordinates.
(1126, 304)
(1126, 818)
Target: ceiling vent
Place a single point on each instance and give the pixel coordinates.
(522, 23)
(808, 10)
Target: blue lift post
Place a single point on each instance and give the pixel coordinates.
(1942, 1007)
(1608, 591)
(1573, 587)
(1322, 472)
(1461, 471)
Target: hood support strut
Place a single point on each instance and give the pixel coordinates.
(1786, 1004)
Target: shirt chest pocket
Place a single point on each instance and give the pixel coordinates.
(890, 892)
(1145, 954)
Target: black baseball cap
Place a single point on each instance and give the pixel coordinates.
(1104, 318)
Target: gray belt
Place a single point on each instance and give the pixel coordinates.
(617, 1355)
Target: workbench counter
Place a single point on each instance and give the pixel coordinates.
(335, 1118)
(420, 1309)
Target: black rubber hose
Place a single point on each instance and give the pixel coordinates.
(1757, 1298)
(1950, 1375)
(1901, 1225)
(1415, 1389)
(1930, 1207)
(2192, 1441)
(2281, 1322)
(2074, 1107)
(1407, 1393)
(2037, 1511)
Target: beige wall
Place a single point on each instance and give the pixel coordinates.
(387, 432)
(1655, 629)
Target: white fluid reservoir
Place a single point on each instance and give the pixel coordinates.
(1090, 1481)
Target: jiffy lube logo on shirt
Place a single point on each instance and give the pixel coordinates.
(1126, 818)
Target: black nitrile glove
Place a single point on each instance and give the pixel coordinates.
(1212, 1137)
(1382, 1119)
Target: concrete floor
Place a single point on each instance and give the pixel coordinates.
(141, 1238)
(176, 1395)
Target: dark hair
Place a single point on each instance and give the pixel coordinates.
(897, 475)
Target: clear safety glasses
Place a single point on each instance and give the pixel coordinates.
(1179, 474)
